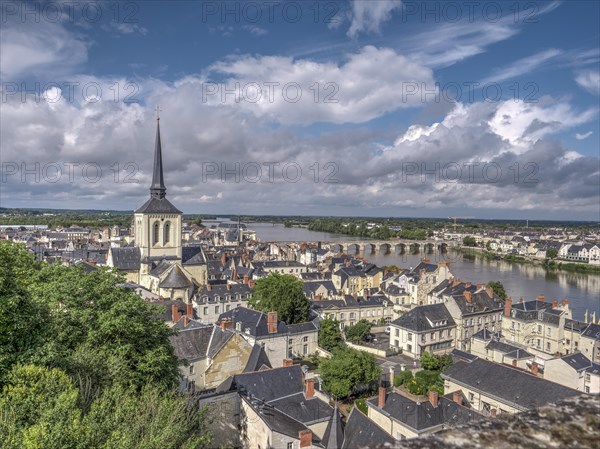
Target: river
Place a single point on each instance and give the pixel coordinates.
(519, 280)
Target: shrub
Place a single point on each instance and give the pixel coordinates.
(403, 378)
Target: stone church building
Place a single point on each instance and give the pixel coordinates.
(158, 261)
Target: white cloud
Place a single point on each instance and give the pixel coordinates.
(523, 66)
(369, 176)
(583, 136)
(41, 47)
(368, 16)
(255, 30)
(355, 91)
(589, 80)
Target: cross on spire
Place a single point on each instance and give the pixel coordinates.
(158, 111)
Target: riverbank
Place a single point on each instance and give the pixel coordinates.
(547, 264)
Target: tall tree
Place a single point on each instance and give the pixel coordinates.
(283, 294)
(330, 336)
(347, 370)
(22, 319)
(359, 331)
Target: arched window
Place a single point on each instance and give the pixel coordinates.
(155, 233)
(167, 233)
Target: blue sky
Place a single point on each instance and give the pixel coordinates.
(392, 145)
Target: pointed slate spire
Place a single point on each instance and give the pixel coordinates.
(158, 189)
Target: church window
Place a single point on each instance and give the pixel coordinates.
(167, 232)
(155, 233)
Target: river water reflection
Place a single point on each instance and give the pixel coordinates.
(519, 280)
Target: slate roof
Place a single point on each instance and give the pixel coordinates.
(221, 291)
(176, 279)
(258, 359)
(485, 334)
(279, 421)
(333, 437)
(511, 386)
(126, 258)
(423, 415)
(160, 268)
(192, 344)
(192, 255)
(300, 328)
(578, 361)
(254, 321)
(592, 331)
(458, 355)
(420, 318)
(361, 433)
(272, 384)
(306, 411)
(505, 348)
(518, 354)
(310, 288)
(158, 206)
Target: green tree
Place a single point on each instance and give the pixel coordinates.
(22, 319)
(330, 336)
(283, 294)
(39, 407)
(81, 322)
(359, 331)
(403, 378)
(433, 362)
(469, 241)
(347, 370)
(498, 289)
(551, 253)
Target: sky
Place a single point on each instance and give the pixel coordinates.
(345, 108)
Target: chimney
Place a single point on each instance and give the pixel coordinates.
(228, 286)
(185, 320)
(425, 260)
(287, 362)
(272, 322)
(175, 313)
(514, 363)
(565, 302)
(246, 279)
(305, 437)
(493, 412)
(309, 390)
(507, 306)
(554, 304)
(223, 259)
(521, 300)
(381, 401)
(442, 264)
(489, 291)
(234, 276)
(208, 287)
(355, 296)
(226, 323)
(468, 284)
(468, 296)
(455, 282)
(161, 298)
(190, 310)
(421, 273)
(433, 398)
(541, 298)
(534, 368)
(457, 397)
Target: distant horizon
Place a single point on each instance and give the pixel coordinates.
(366, 217)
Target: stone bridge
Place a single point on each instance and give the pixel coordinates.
(399, 246)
